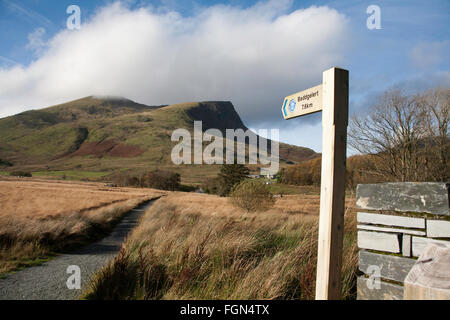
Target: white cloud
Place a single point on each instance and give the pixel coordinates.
(253, 57)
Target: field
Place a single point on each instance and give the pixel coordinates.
(194, 246)
(187, 246)
(39, 217)
(70, 174)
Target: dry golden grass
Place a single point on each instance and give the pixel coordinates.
(38, 217)
(300, 205)
(40, 198)
(193, 246)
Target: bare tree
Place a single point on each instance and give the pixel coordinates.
(435, 105)
(393, 132)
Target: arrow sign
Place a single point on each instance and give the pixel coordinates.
(302, 103)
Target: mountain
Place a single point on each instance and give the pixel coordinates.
(112, 133)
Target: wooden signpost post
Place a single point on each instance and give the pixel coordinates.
(332, 99)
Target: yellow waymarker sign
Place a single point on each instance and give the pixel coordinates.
(304, 102)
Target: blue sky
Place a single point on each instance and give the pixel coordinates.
(411, 51)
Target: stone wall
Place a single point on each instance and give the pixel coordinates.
(396, 221)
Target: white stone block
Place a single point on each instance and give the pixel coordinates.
(390, 220)
(392, 230)
(406, 245)
(389, 242)
(438, 229)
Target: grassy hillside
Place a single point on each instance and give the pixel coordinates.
(109, 135)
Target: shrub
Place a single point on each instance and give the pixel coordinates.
(164, 180)
(252, 195)
(232, 174)
(186, 188)
(157, 179)
(20, 174)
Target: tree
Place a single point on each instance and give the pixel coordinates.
(164, 180)
(404, 133)
(252, 195)
(280, 175)
(232, 174)
(360, 169)
(305, 173)
(20, 174)
(435, 105)
(158, 179)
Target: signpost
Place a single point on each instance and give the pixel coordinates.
(332, 99)
(301, 103)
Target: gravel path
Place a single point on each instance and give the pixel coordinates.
(48, 281)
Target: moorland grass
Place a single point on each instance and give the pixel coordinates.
(39, 219)
(200, 247)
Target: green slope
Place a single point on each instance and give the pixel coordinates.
(96, 134)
